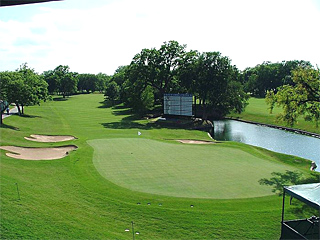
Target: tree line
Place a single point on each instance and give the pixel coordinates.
(25, 87)
(214, 82)
(64, 82)
(218, 86)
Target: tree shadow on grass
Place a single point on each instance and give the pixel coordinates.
(279, 180)
(29, 116)
(302, 210)
(59, 99)
(129, 122)
(125, 111)
(105, 104)
(130, 119)
(9, 127)
(109, 104)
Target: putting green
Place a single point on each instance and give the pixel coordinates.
(183, 170)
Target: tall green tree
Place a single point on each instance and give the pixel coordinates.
(67, 81)
(215, 82)
(52, 80)
(102, 80)
(112, 91)
(158, 68)
(136, 92)
(5, 78)
(119, 77)
(87, 82)
(300, 99)
(24, 87)
(35, 89)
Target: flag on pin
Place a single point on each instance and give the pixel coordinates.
(139, 133)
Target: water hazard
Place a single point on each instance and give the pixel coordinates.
(270, 138)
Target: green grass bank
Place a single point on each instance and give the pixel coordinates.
(99, 189)
(257, 111)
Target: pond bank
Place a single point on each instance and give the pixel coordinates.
(273, 138)
(316, 135)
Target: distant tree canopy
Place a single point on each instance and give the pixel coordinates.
(102, 80)
(87, 82)
(218, 86)
(25, 87)
(301, 98)
(62, 81)
(269, 76)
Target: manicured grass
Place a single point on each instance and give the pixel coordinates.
(257, 111)
(69, 198)
(183, 170)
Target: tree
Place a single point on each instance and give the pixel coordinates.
(119, 77)
(279, 180)
(262, 77)
(102, 80)
(136, 92)
(23, 87)
(112, 91)
(33, 88)
(300, 99)
(67, 81)
(157, 68)
(52, 80)
(215, 83)
(269, 76)
(139, 97)
(87, 82)
(4, 104)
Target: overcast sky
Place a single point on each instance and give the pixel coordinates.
(93, 36)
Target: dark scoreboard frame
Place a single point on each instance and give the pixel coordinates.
(178, 104)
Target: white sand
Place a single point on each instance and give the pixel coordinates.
(38, 153)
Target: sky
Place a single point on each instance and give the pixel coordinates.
(92, 36)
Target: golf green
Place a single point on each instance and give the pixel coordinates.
(183, 170)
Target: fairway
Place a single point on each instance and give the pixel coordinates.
(182, 170)
(92, 193)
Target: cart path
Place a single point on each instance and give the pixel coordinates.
(12, 111)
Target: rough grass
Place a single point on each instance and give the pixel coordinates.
(69, 199)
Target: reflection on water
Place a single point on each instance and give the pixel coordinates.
(270, 138)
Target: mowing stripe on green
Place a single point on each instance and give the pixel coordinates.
(182, 170)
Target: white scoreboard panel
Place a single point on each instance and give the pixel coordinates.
(178, 104)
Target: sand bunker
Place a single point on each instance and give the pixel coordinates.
(38, 153)
(47, 138)
(195, 141)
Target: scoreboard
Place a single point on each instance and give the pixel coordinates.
(178, 104)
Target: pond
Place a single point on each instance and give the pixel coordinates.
(269, 138)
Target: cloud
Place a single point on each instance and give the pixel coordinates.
(101, 38)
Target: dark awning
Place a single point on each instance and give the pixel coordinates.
(4, 3)
(307, 193)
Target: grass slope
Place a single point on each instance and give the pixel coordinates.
(257, 111)
(69, 199)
